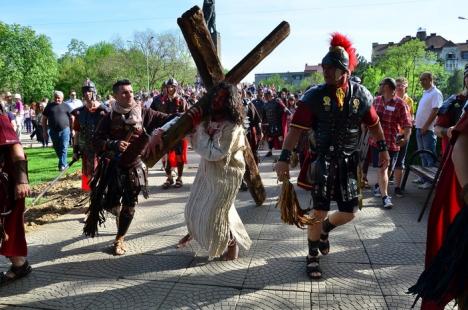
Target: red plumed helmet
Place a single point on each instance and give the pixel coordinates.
(342, 54)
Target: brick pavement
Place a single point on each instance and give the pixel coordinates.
(372, 261)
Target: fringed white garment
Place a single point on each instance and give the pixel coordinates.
(210, 213)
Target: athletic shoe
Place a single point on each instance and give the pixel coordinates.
(418, 181)
(398, 192)
(387, 202)
(425, 185)
(376, 190)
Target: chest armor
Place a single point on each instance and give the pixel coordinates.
(272, 113)
(172, 106)
(337, 131)
(88, 123)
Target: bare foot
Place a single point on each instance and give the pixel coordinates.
(119, 247)
(184, 241)
(232, 251)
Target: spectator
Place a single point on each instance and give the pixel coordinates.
(19, 114)
(428, 107)
(56, 119)
(39, 129)
(401, 87)
(32, 112)
(73, 102)
(393, 114)
(27, 118)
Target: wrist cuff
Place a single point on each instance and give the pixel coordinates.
(382, 146)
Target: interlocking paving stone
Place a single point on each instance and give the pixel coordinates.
(372, 262)
(346, 279)
(132, 294)
(184, 296)
(347, 302)
(277, 274)
(394, 253)
(216, 272)
(160, 245)
(52, 291)
(396, 279)
(273, 299)
(387, 233)
(138, 267)
(281, 232)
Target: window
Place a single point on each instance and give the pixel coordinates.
(450, 56)
(465, 55)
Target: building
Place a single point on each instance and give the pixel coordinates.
(294, 78)
(454, 55)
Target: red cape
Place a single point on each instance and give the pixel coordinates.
(445, 207)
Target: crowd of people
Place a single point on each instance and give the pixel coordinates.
(326, 128)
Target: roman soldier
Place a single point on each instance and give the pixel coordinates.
(84, 121)
(335, 111)
(171, 103)
(119, 140)
(273, 110)
(13, 190)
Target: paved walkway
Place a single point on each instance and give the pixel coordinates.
(372, 262)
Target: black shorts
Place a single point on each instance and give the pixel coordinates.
(350, 206)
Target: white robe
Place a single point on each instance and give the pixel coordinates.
(210, 213)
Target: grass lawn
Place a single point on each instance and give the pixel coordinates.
(42, 164)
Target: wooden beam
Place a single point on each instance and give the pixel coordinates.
(201, 46)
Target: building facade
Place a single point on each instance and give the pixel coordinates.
(454, 55)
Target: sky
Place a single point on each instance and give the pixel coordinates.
(244, 23)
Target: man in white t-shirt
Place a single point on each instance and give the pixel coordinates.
(428, 107)
(73, 102)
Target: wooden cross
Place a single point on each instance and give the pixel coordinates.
(202, 48)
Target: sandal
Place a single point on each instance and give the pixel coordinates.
(119, 247)
(313, 268)
(324, 244)
(168, 183)
(184, 241)
(232, 251)
(178, 183)
(18, 273)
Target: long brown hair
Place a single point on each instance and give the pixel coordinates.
(233, 107)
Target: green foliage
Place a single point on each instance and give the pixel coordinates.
(27, 63)
(362, 66)
(275, 81)
(314, 79)
(157, 56)
(408, 60)
(454, 83)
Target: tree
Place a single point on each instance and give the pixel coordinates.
(314, 79)
(27, 64)
(362, 66)
(407, 60)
